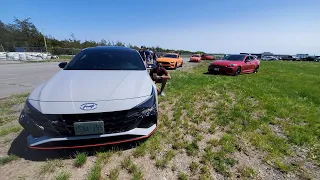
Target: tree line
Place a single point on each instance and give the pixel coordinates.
(23, 33)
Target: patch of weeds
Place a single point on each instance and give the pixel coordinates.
(105, 156)
(193, 166)
(219, 161)
(50, 166)
(228, 143)
(180, 144)
(182, 176)
(154, 144)
(137, 175)
(6, 104)
(132, 168)
(283, 167)
(81, 159)
(247, 172)
(166, 121)
(95, 171)
(7, 159)
(6, 119)
(198, 137)
(166, 159)
(8, 130)
(192, 149)
(208, 155)
(63, 175)
(140, 150)
(270, 143)
(213, 142)
(185, 124)
(114, 174)
(212, 128)
(205, 173)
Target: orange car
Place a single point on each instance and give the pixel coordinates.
(195, 58)
(170, 60)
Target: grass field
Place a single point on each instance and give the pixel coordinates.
(254, 126)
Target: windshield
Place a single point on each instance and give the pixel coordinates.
(106, 59)
(234, 58)
(195, 56)
(170, 55)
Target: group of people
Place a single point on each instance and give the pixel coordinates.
(158, 74)
(148, 55)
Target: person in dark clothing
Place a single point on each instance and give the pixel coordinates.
(154, 56)
(142, 53)
(160, 75)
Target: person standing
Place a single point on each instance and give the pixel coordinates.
(142, 53)
(148, 55)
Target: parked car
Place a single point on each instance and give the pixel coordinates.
(290, 58)
(268, 58)
(207, 57)
(195, 58)
(104, 95)
(171, 60)
(235, 64)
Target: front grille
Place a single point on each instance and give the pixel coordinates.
(114, 122)
(165, 63)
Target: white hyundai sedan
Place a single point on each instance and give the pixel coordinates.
(104, 95)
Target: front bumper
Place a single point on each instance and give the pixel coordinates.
(47, 143)
(221, 69)
(56, 131)
(169, 65)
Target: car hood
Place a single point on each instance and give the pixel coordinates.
(166, 59)
(225, 62)
(93, 85)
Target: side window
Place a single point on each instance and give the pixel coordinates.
(251, 58)
(247, 58)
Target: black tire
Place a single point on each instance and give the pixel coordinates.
(181, 64)
(238, 71)
(256, 69)
(176, 66)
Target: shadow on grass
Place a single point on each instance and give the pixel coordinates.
(20, 148)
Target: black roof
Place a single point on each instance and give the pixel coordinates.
(121, 48)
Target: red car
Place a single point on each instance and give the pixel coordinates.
(195, 58)
(206, 57)
(235, 65)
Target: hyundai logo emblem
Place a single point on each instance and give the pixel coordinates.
(88, 106)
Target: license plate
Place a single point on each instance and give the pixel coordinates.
(86, 128)
(216, 69)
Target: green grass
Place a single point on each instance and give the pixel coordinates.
(63, 175)
(247, 173)
(114, 174)
(7, 103)
(95, 171)
(132, 169)
(162, 163)
(283, 94)
(102, 158)
(7, 159)
(50, 166)
(80, 159)
(8, 130)
(193, 166)
(182, 176)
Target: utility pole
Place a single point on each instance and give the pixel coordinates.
(44, 37)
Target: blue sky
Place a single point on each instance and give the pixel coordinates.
(227, 26)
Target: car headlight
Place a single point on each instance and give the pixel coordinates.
(231, 65)
(146, 108)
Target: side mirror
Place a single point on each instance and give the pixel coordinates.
(62, 64)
